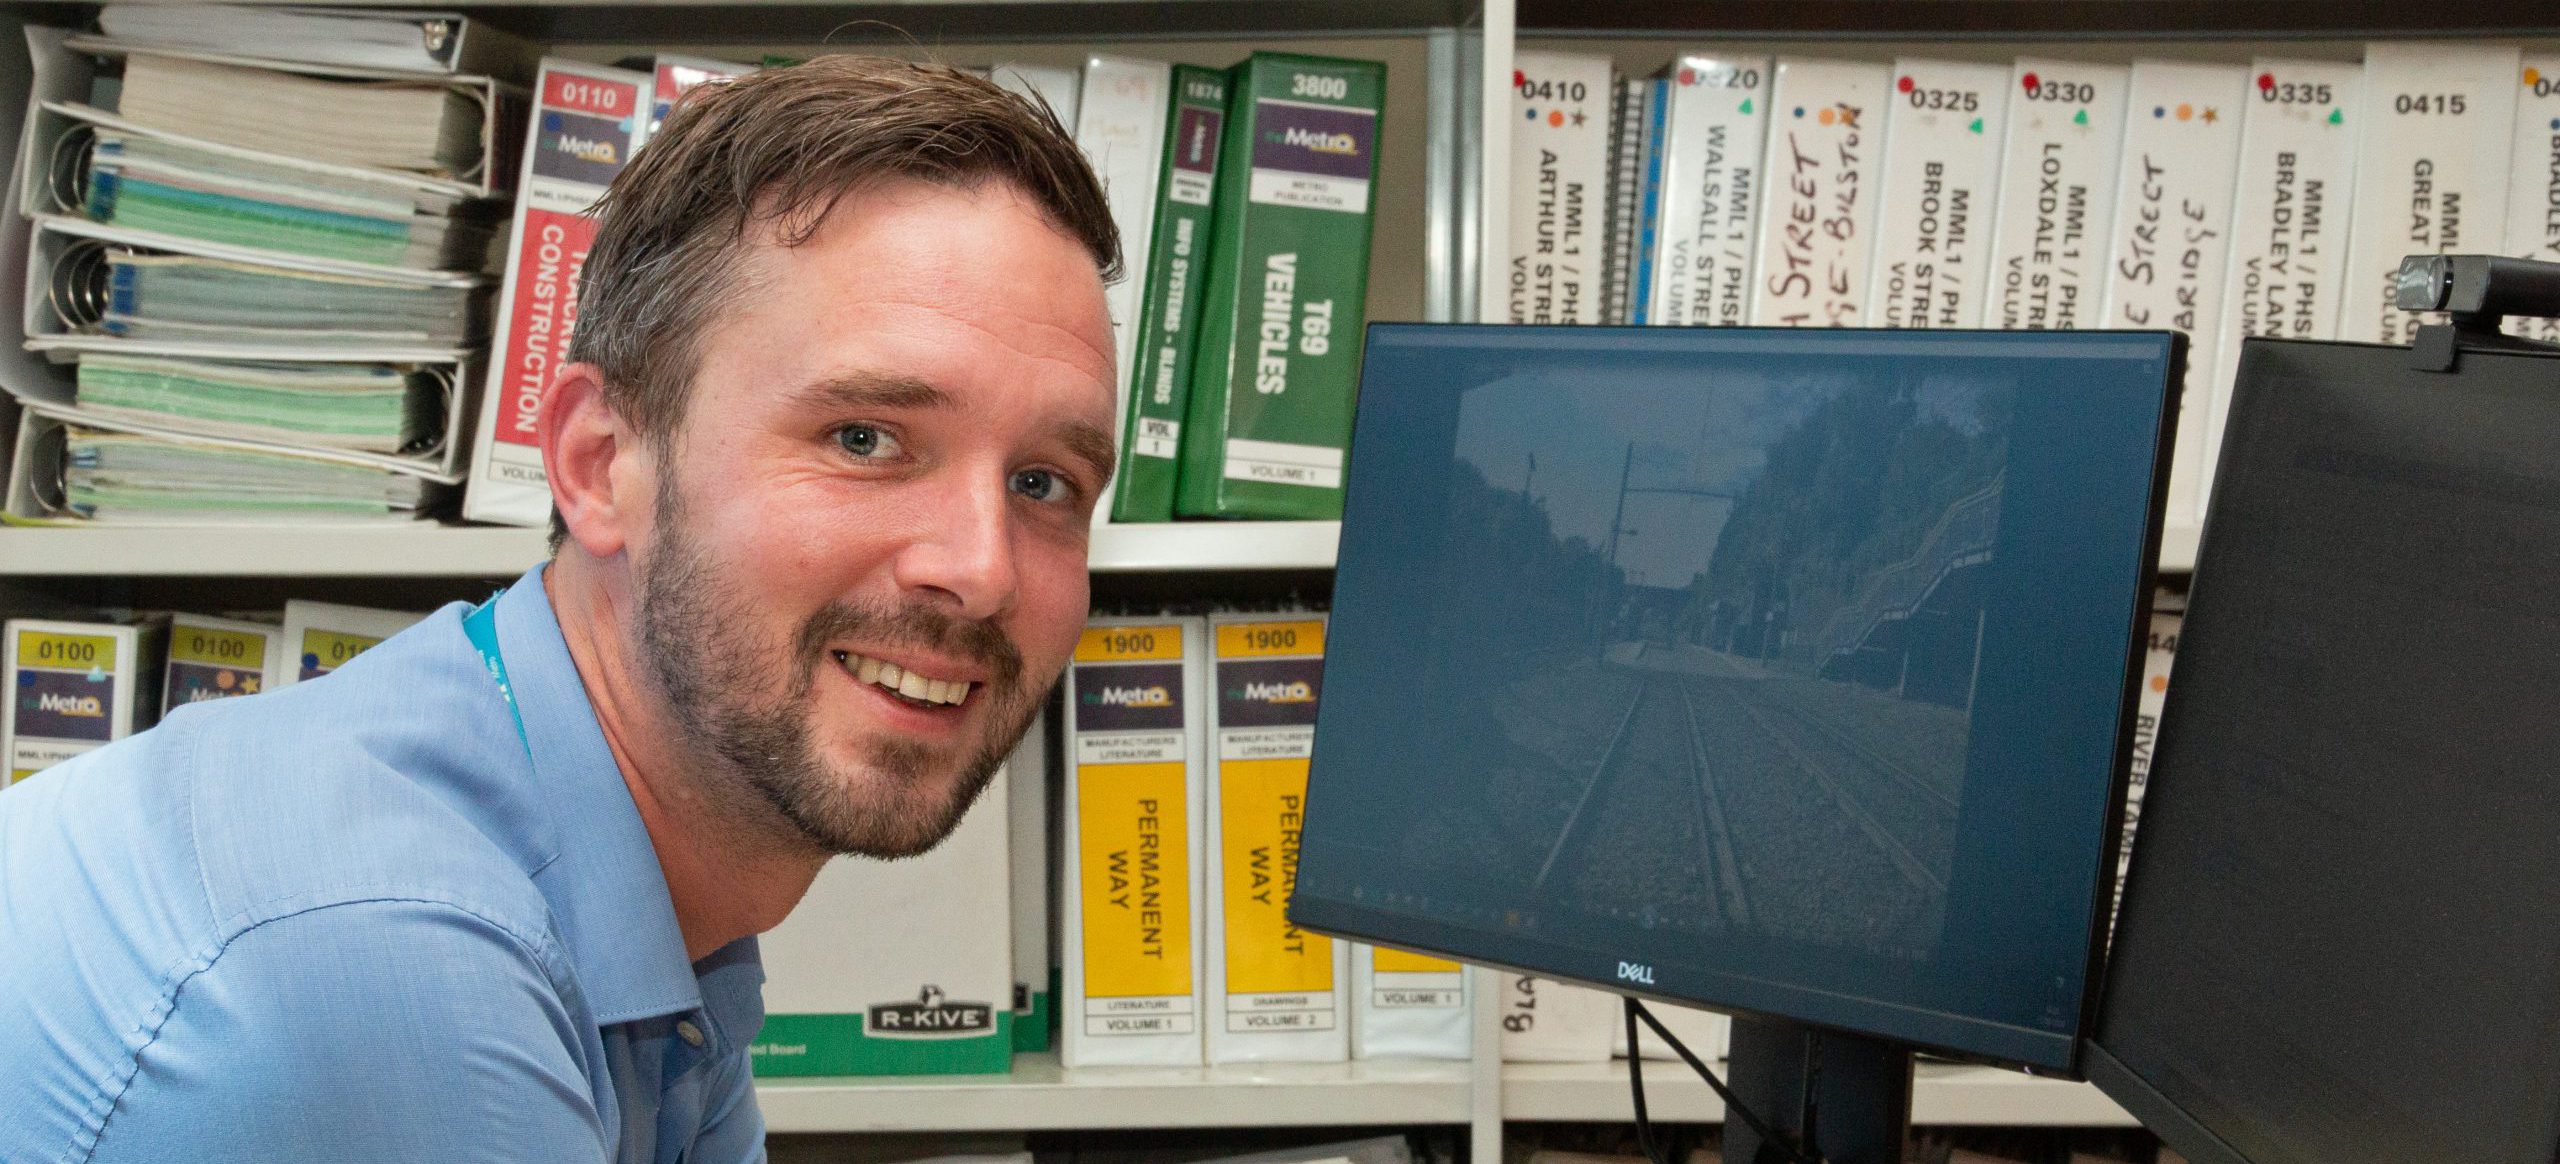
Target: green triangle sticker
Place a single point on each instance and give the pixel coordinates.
(2080, 118)
(1746, 105)
(1976, 126)
(2337, 117)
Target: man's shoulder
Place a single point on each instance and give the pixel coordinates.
(398, 775)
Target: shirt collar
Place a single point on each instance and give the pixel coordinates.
(607, 894)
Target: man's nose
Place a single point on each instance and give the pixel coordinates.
(964, 553)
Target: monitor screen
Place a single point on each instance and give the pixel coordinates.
(2341, 937)
(1786, 672)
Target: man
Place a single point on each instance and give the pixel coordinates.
(823, 468)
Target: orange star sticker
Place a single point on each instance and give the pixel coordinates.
(2211, 115)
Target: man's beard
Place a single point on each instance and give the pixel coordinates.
(755, 745)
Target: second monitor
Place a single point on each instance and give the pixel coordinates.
(1783, 672)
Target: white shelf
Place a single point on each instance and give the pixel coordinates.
(1040, 1095)
(1945, 1094)
(502, 552)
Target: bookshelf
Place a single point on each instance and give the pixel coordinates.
(1444, 179)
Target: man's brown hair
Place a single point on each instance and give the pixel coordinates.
(784, 146)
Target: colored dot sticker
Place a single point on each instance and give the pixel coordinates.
(1746, 105)
(2186, 112)
(2159, 683)
(2157, 111)
(1555, 117)
(26, 678)
(1903, 86)
(1799, 110)
(1827, 116)
(225, 680)
(1519, 80)
(97, 674)
(310, 662)
(1688, 76)
(2080, 118)
(2030, 81)
(2266, 80)
(2533, 76)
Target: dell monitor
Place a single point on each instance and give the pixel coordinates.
(2340, 941)
(1788, 673)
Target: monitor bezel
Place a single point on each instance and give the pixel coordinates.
(1347, 921)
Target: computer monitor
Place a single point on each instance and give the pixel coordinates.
(2340, 941)
(1789, 673)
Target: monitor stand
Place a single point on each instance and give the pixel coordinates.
(1851, 1091)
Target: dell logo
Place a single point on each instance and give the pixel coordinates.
(1635, 972)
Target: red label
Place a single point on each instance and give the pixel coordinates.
(564, 90)
(549, 255)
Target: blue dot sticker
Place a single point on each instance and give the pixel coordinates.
(26, 678)
(551, 123)
(310, 662)
(2159, 111)
(1799, 110)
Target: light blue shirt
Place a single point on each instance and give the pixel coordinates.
(352, 919)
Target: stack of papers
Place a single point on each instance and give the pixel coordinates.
(421, 126)
(161, 184)
(148, 295)
(111, 476)
(361, 407)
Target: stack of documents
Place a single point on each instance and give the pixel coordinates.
(134, 293)
(110, 476)
(365, 407)
(426, 127)
(260, 284)
(173, 186)
(418, 42)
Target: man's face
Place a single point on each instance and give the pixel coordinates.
(867, 559)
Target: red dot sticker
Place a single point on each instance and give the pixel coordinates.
(2031, 81)
(2266, 80)
(1688, 76)
(1904, 85)
(1519, 80)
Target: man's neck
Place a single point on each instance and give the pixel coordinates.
(723, 884)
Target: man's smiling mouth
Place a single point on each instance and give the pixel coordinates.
(909, 685)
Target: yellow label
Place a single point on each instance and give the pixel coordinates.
(1260, 818)
(218, 647)
(18, 774)
(1135, 843)
(1394, 961)
(54, 651)
(1128, 644)
(1254, 640)
(332, 649)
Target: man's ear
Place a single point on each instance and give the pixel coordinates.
(597, 464)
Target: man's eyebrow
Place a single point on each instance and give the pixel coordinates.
(860, 391)
(1091, 445)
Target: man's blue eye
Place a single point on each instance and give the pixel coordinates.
(863, 440)
(1039, 484)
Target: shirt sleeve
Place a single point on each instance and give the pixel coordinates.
(391, 1031)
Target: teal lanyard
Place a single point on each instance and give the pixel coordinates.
(481, 625)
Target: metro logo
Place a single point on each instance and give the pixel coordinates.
(1134, 697)
(1323, 143)
(1279, 692)
(82, 706)
(599, 151)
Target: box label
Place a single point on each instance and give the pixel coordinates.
(1135, 846)
(1818, 216)
(1279, 977)
(2057, 195)
(324, 651)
